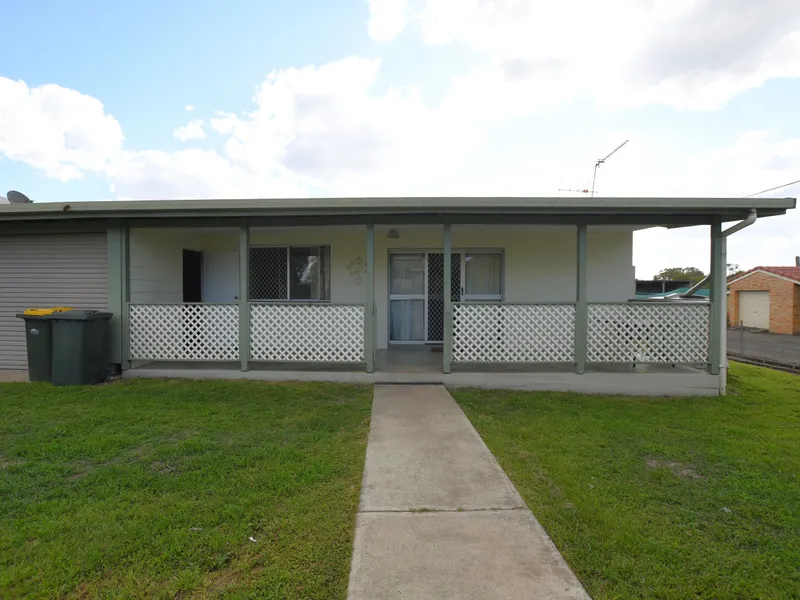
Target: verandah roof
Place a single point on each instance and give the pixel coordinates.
(646, 211)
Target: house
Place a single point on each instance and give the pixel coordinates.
(766, 298)
(510, 292)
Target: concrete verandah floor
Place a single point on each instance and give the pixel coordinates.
(423, 365)
(439, 518)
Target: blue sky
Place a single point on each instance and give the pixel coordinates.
(408, 97)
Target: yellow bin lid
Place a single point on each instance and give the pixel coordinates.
(45, 311)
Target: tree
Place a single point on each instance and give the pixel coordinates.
(734, 270)
(690, 274)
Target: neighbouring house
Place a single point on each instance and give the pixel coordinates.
(660, 286)
(766, 298)
(532, 293)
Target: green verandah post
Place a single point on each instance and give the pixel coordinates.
(244, 297)
(581, 306)
(369, 309)
(447, 349)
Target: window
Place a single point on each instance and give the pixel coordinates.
(483, 275)
(290, 273)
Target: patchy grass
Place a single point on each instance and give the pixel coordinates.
(660, 498)
(155, 489)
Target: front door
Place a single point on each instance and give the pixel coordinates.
(416, 295)
(221, 277)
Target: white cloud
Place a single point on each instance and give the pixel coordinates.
(687, 54)
(194, 173)
(387, 19)
(193, 130)
(57, 130)
(189, 107)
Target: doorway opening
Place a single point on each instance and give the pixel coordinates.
(192, 276)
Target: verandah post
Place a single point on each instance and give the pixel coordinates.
(369, 309)
(581, 304)
(244, 296)
(118, 265)
(718, 296)
(447, 342)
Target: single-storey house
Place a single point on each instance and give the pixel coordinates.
(766, 298)
(518, 292)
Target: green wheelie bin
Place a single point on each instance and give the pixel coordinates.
(80, 347)
(39, 341)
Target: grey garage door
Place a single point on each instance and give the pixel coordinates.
(47, 270)
(754, 309)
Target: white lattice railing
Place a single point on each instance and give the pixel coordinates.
(184, 332)
(513, 333)
(648, 333)
(313, 332)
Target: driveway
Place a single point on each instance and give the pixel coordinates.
(762, 345)
(439, 519)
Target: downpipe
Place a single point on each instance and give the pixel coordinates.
(749, 220)
(723, 367)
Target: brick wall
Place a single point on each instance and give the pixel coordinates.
(784, 301)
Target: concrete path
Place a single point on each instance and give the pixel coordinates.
(438, 518)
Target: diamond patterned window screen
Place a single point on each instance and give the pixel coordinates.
(269, 270)
(513, 333)
(184, 332)
(324, 333)
(648, 333)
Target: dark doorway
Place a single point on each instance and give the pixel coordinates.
(192, 276)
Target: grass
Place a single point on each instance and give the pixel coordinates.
(154, 489)
(660, 498)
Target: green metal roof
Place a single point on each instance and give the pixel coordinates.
(725, 208)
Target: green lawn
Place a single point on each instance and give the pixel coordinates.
(153, 489)
(636, 492)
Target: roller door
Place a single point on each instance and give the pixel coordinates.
(754, 309)
(47, 270)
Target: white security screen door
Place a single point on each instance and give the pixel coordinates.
(407, 297)
(416, 290)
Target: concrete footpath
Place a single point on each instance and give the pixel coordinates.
(438, 517)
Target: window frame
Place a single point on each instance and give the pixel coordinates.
(289, 248)
(500, 297)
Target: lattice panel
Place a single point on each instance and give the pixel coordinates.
(184, 332)
(513, 333)
(329, 333)
(648, 333)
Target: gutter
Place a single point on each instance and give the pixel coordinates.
(751, 218)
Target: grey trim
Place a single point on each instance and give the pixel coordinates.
(387, 206)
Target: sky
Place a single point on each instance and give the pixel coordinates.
(235, 99)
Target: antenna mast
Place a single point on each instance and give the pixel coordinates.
(602, 161)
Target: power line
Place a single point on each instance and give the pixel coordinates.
(777, 187)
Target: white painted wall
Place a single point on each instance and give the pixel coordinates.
(157, 263)
(539, 262)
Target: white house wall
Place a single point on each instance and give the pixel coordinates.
(539, 262)
(157, 263)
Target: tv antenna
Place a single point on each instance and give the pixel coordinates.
(584, 191)
(602, 161)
